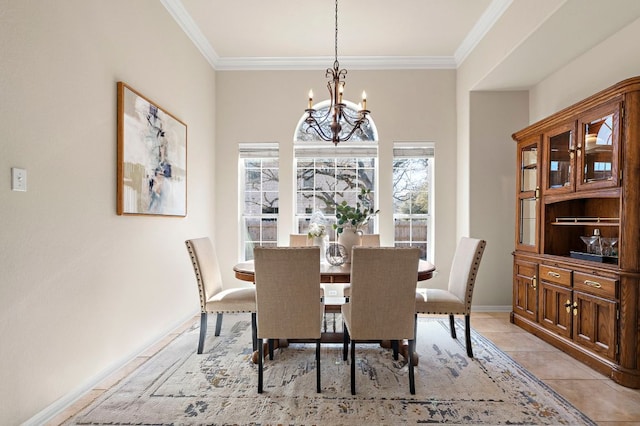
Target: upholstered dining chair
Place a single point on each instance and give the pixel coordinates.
(288, 298)
(370, 240)
(298, 240)
(302, 240)
(367, 240)
(214, 297)
(456, 299)
(382, 304)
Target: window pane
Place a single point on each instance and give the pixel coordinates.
(411, 200)
(325, 181)
(260, 203)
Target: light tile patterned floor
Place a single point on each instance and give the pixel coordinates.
(600, 398)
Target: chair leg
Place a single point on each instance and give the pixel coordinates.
(270, 343)
(467, 335)
(394, 346)
(203, 331)
(260, 361)
(353, 367)
(254, 332)
(318, 386)
(218, 324)
(452, 325)
(345, 342)
(412, 384)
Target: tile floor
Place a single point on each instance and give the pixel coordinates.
(594, 394)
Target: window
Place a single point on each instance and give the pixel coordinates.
(258, 196)
(326, 175)
(413, 196)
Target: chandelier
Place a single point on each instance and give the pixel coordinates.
(339, 122)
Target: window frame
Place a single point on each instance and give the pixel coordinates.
(256, 152)
(416, 150)
(305, 151)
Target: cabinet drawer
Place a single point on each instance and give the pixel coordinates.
(555, 275)
(594, 284)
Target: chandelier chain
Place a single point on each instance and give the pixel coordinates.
(337, 124)
(336, 33)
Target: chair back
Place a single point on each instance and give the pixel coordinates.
(288, 292)
(370, 240)
(206, 267)
(464, 269)
(383, 286)
(298, 240)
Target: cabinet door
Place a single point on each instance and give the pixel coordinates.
(597, 150)
(525, 289)
(559, 160)
(555, 308)
(528, 194)
(594, 323)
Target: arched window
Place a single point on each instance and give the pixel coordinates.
(328, 174)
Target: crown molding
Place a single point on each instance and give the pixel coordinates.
(185, 21)
(322, 63)
(480, 29)
(177, 10)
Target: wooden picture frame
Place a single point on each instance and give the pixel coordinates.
(152, 158)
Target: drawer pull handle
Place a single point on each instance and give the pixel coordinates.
(553, 274)
(594, 284)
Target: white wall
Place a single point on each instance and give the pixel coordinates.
(82, 289)
(264, 106)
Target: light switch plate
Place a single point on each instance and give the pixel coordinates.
(18, 179)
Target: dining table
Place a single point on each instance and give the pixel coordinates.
(332, 274)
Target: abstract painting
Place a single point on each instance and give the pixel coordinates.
(152, 158)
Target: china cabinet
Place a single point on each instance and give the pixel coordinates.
(576, 264)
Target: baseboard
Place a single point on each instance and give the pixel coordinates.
(490, 308)
(63, 403)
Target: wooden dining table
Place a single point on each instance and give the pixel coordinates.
(331, 274)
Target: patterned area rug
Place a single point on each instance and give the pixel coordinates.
(177, 386)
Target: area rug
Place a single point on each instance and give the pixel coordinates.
(178, 387)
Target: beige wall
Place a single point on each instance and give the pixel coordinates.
(613, 60)
(405, 105)
(81, 289)
(492, 151)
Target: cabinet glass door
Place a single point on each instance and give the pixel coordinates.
(559, 151)
(528, 194)
(598, 148)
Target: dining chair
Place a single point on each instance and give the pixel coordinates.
(298, 240)
(456, 299)
(288, 298)
(367, 240)
(382, 304)
(214, 297)
(370, 240)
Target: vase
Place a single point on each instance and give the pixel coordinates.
(350, 237)
(322, 243)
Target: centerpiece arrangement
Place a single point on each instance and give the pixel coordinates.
(317, 232)
(352, 219)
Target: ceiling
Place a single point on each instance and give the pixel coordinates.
(403, 34)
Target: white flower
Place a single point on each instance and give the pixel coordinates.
(316, 230)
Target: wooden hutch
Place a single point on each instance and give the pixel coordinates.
(576, 264)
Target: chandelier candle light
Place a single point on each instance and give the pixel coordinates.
(338, 113)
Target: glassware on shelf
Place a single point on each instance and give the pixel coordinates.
(609, 246)
(590, 242)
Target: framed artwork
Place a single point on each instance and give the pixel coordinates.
(152, 158)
